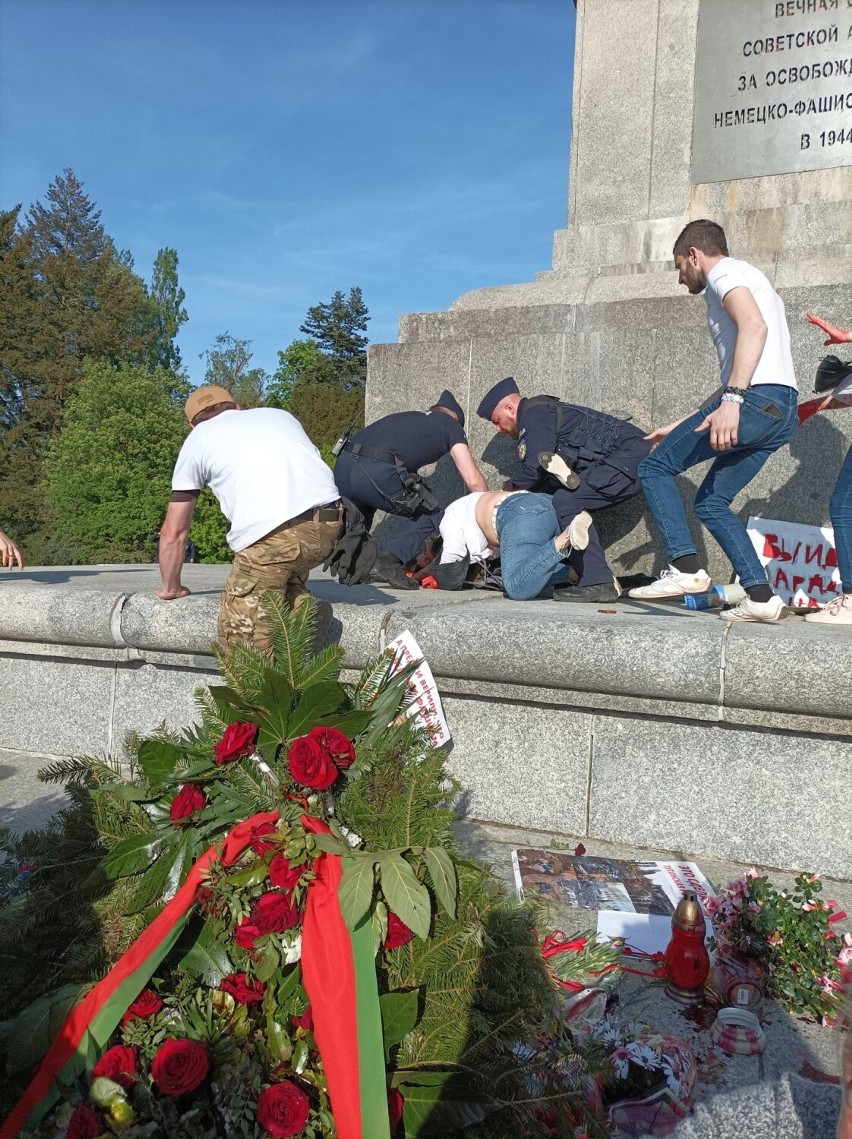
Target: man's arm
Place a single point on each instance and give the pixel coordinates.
(742, 308)
(467, 468)
(173, 537)
(539, 435)
(9, 552)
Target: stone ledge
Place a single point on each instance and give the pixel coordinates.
(652, 660)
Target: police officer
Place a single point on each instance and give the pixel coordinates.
(586, 459)
(377, 470)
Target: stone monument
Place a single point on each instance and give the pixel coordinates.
(736, 110)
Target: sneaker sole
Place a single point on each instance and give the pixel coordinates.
(733, 619)
(555, 465)
(644, 593)
(578, 531)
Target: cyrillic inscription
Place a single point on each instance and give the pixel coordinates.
(773, 88)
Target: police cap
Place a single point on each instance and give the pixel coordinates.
(448, 400)
(495, 395)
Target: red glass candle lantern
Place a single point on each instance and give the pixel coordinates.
(687, 960)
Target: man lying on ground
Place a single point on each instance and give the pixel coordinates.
(523, 527)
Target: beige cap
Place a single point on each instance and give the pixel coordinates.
(205, 397)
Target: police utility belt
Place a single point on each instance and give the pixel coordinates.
(417, 495)
(582, 446)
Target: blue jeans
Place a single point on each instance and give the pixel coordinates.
(840, 510)
(526, 526)
(768, 420)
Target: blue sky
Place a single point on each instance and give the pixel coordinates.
(288, 148)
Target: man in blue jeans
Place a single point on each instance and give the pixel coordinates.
(751, 415)
(521, 527)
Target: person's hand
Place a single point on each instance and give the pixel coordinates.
(724, 425)
(835, 335)
(10, 553)
(657, 436)
(172, 594)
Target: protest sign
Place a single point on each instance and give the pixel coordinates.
(427, 702)
(800, 560)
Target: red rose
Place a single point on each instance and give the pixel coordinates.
(188, 800)
(246, 934)
(179, 1066)
(273, 913)
(238, 740)
(338, 746)
(118, 1064)
(242, 989)
(146, 1004)
(398, 932)
(306, 1020)
(311, 764)
(85, 1123)
(257, 842)
(283, 874)
(395, 1106)
(282, 1110)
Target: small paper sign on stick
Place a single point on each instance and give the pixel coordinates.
(426, 704)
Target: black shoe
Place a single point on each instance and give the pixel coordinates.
(391, 570)
(607, 591)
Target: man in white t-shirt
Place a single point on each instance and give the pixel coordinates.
(274, 489)
(740, 425)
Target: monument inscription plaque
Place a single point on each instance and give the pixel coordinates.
(773, 88)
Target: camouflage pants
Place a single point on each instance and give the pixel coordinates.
(281, 560)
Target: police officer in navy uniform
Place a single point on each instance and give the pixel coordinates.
(377, 470)
(586, 459)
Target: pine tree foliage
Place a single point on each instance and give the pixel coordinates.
(338, 327)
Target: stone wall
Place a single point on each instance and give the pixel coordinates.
(650, 726)
(608, 326)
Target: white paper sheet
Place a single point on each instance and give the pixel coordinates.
(427, 701)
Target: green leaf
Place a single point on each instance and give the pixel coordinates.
(231, 707)
(150, 886)
(252, 875)
(317, 702)
(128, 792)
(180, 867)
(276, 700)
(33, 1030)
(131, 855)
(440, 1102)
(400, 1014)
(356, 888)
(158, 759)
(443, 875)
(203, 955)
(333, 845)
(268, 964)
(350, 723)
(405, 894)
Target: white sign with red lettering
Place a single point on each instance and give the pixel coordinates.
(800, 560)
(427, 701)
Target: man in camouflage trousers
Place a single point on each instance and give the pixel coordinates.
(276, 492)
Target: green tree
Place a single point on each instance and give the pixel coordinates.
(325, 411)
(167, 299)
(227, 364)
(301, 362)
(338, 328)
(108, 474)
(71, 295)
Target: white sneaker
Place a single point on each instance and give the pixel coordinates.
(673, 583)
(575, 536)
(837, 612)
(772, 610)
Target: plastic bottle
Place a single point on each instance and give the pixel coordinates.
(716, 598)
